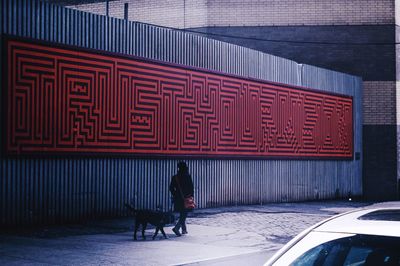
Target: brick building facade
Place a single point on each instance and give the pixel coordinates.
(206, 13)
(352, 36)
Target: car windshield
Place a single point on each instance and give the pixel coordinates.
(355, 250)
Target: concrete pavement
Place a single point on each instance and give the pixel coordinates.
(220, 236)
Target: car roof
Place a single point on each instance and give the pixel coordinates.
(383, 221)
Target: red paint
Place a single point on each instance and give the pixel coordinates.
(78, 101)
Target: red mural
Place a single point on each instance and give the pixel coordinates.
(71, 100)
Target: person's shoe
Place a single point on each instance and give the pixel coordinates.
(184, 232)
(176, 231)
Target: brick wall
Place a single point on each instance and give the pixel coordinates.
(170, 13)
(397, 18)
(96, 8)
(379, 102)
(397, 97)
(295, 12)
(397, 12)
(380, 162)
(371, 62)
(202, 13)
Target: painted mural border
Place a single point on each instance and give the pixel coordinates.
(5, 38)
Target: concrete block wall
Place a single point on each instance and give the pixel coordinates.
(203, 13)
(397, 29)
(169, 13)
(324, 46)
(380, 137)
(294, 12)
(379, 102)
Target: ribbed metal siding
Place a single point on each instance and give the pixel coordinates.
(332, 81)
(58, 190)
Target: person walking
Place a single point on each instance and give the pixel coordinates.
(181, 186)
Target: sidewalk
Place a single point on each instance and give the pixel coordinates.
(215, 235)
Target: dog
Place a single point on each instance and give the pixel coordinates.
(157, 218)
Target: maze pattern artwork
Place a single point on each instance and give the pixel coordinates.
(68, 100)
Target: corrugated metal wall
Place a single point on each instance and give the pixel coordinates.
(54, 190)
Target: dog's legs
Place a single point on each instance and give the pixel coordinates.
(135, 230)
(162, 231)
(156, 233)
(144, 225)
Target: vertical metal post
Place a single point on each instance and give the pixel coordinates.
(107, 7)
(126, 6)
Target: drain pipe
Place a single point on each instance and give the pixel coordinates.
(126, 6)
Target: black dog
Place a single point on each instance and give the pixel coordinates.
(157, 218)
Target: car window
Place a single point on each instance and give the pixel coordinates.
(353, 251)
(312, 256)
(357, 256)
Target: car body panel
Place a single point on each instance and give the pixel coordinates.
(339, 226)
(350, 223)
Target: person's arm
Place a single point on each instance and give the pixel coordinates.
(172, 187)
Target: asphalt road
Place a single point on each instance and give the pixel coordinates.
(242, 235)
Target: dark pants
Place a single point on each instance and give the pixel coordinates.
(182, 221)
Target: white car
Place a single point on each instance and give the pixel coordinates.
(362, 237)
